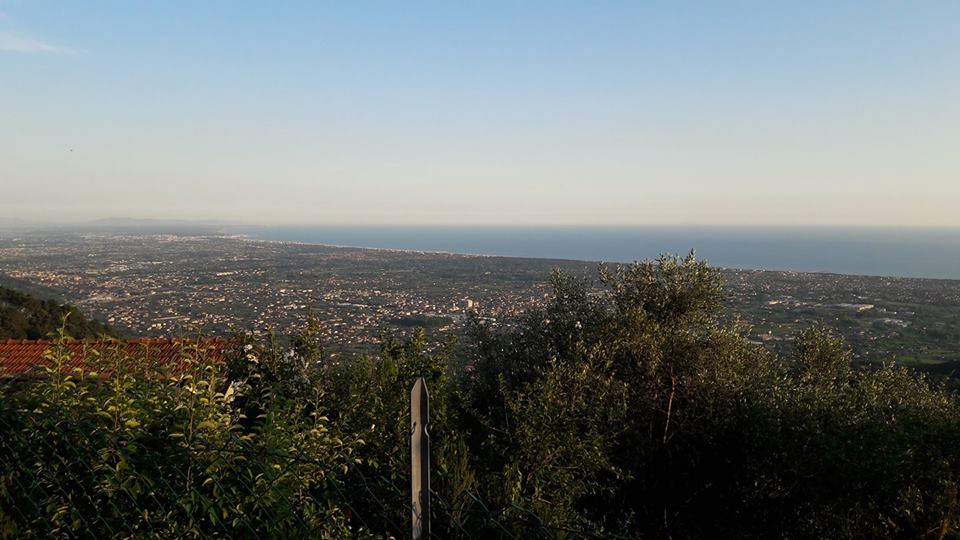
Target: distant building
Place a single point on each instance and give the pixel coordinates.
(856, 307)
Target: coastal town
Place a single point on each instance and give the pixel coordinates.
(182, 284)
(153, 285)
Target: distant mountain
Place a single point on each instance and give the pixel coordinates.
(23, 316)
(120, 225)
(150, 225)
(154, 222)
(13, 223)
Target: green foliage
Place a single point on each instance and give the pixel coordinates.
(645, 414)
(822, 355)
(638, 411)
(23, 316)
(149, 452)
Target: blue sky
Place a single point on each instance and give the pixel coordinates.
(482, 113)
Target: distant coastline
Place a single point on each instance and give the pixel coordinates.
(908, 252)
(928, 253)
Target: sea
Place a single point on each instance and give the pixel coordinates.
(900, 252)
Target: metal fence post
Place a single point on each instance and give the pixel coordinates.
(420, 459)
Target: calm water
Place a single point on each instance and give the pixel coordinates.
(931, 253)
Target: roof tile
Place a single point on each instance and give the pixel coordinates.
(19, 356)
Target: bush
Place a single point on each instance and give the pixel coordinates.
(133, 449)
(641, 413)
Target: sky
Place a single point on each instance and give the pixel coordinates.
(471, 113)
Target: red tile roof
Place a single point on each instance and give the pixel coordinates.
(19, 356)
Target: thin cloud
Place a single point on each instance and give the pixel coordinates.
(22, 44)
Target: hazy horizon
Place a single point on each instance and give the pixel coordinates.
(497, 114)
(119, 222)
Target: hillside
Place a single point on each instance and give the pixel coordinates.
(23, 316)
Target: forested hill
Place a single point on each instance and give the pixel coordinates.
(26, 316)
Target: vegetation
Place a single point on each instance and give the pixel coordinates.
(640, 412)
(23, 316)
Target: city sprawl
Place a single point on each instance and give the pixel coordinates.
(172, 284)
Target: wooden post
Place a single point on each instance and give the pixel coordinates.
(420, 459)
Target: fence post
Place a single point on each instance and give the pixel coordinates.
(420, 459)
